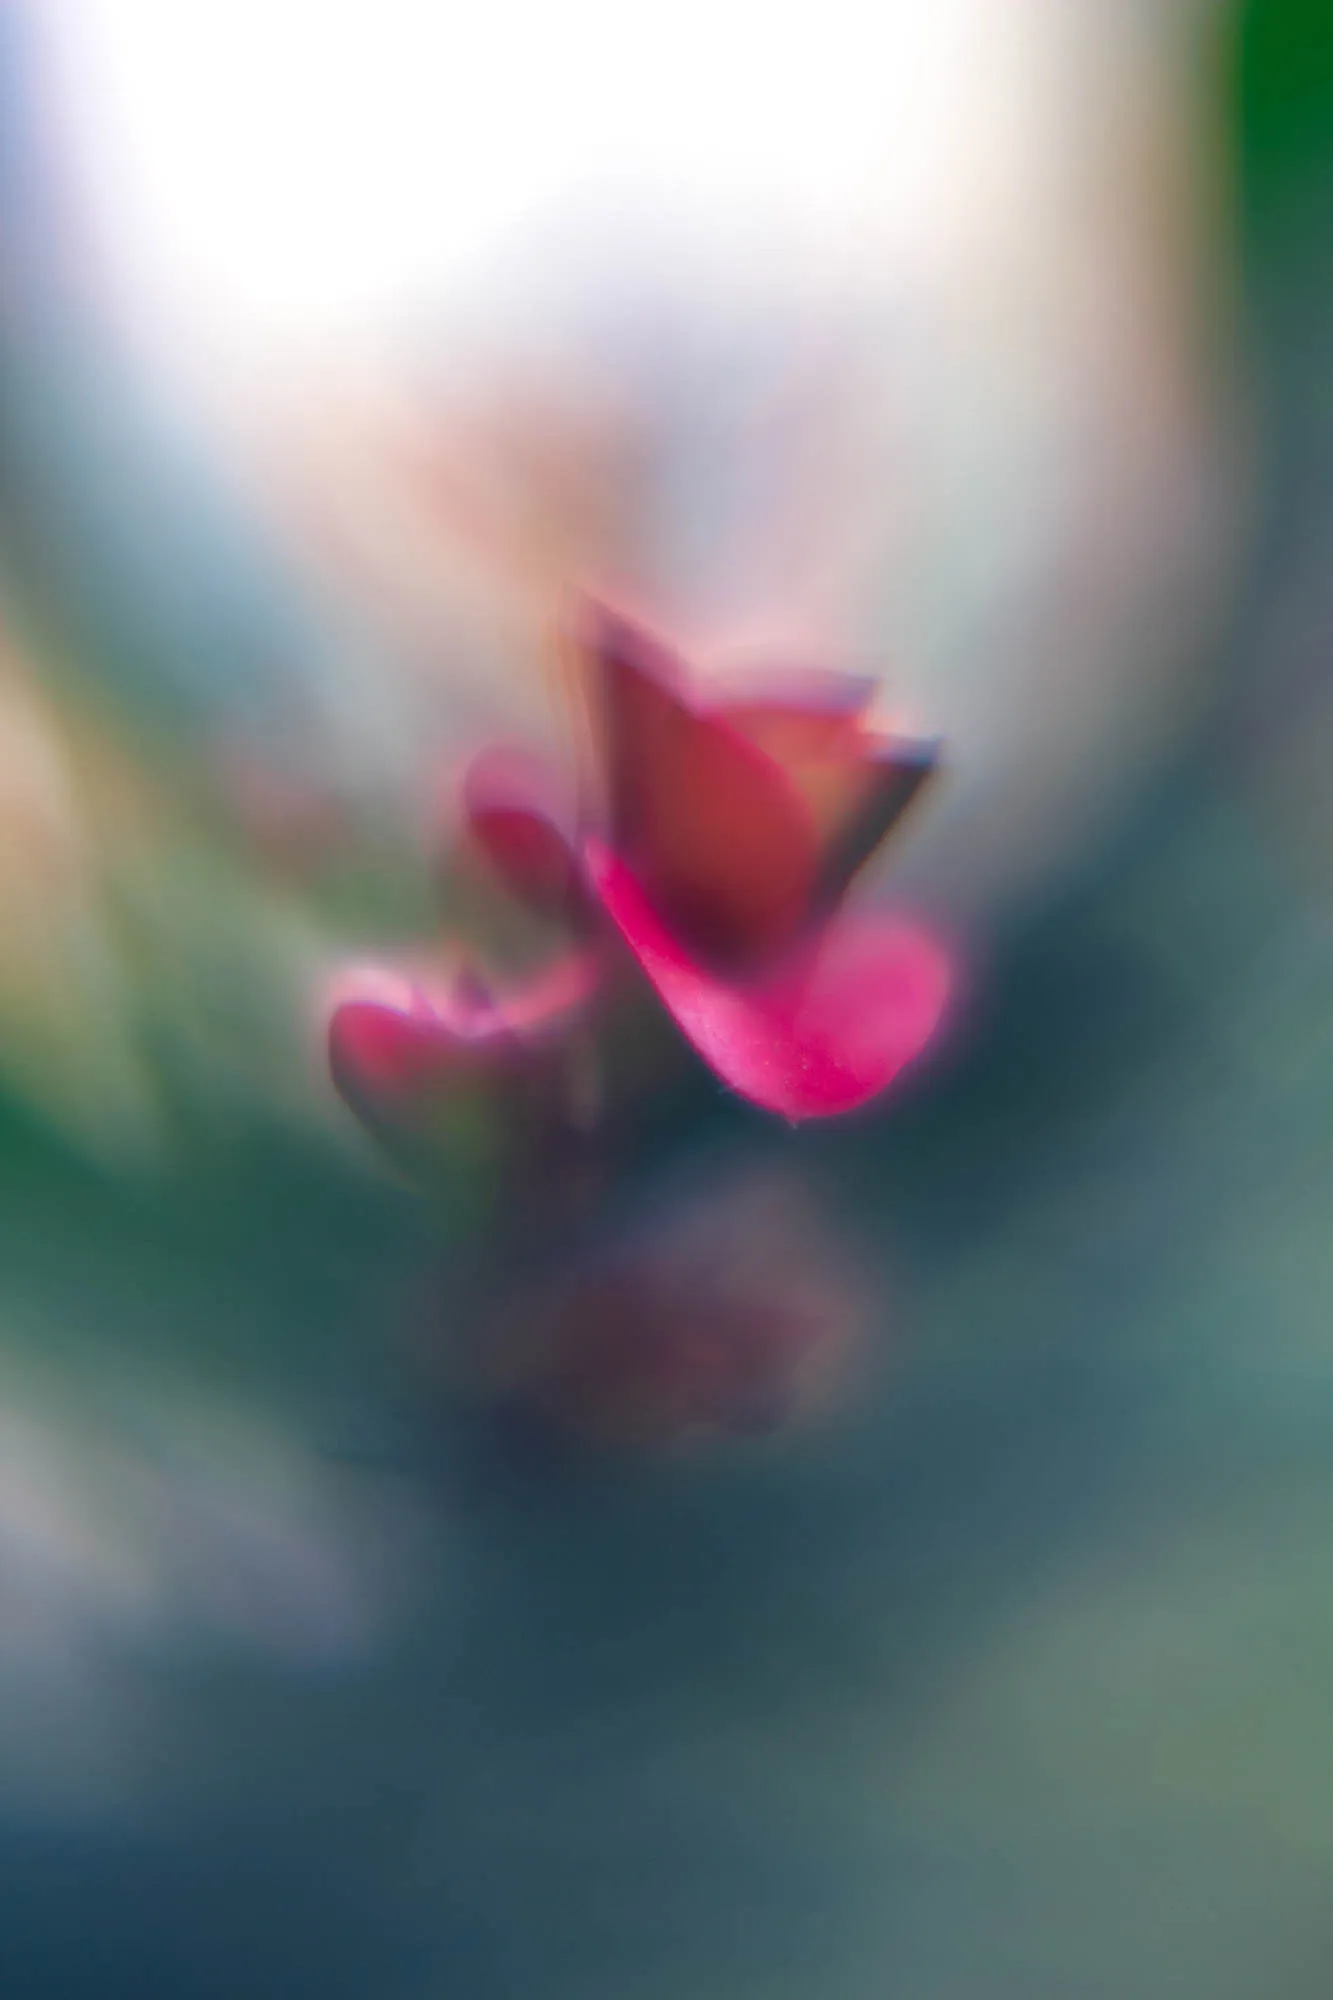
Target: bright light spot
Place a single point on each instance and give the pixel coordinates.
(289, 168)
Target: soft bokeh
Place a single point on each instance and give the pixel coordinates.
(486, 1506)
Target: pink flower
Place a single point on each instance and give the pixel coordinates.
(727, 836)
(423, 1058)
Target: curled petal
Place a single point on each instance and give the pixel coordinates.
(826, 1032)
(397, 1045)
(377, 1052)
(386, 1055)
(428, 1099)
(726, 843)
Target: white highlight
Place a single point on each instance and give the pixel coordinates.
(289, 168)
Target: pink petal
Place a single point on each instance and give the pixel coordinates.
(825, 1034)
(708, 819)
(427, 1096)
(514, 811)
(383, 1055)
(395, 1043)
